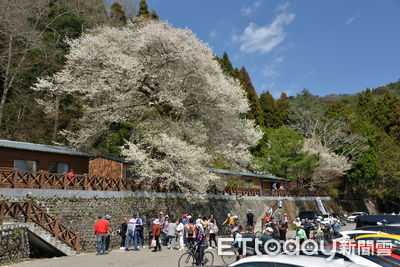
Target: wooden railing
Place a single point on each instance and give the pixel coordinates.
(44, 180)
(30, 212)
(11, 178)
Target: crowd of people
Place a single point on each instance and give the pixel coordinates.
(178, 232)
(171, 231)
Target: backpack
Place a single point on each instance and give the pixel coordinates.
(190, 231)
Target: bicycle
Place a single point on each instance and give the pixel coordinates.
(189, 258)
(232, 257)
(226, 230)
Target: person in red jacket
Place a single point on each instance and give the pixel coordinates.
(101, 232)
(156, 234)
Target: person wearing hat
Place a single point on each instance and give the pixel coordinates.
(156, 234)
(265, 237)
(130, 234)
(101, 231)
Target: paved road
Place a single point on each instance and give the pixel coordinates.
(142, 258)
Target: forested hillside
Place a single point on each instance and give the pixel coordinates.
(54, 91)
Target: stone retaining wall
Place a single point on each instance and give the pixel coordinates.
(14, 244)
(80, 211)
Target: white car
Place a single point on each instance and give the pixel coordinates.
(354, 215)
(347, 235)
(327, 218)
(301, 261)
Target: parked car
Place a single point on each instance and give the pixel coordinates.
(354, 215)
(327, 218)
(365, 220)
(395, 230)
(347, 235)
(395, 239)
(301, 261)
(342, 217)
(311, 215)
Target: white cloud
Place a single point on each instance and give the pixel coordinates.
(264, 39)
(282, 7)
(353, 18)
(279, 59)
(247, 10)
(213, 34)
(270, 71)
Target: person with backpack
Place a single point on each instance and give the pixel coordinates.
(212, 225)
(139, 235)
(122, 231)
(130, 233)
(190, 231)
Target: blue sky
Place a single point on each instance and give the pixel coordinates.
(336, 46)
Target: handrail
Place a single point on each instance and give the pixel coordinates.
(31, 212)
(12, 178)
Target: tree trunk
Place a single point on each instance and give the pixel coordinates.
(56, 116)
(7, 84)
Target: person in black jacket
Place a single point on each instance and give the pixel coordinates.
(250, 218)
(122, 231)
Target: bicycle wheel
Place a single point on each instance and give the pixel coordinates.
(208, 258)
(187, 259)
(229, 259)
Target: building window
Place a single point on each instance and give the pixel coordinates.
(129, 172)
(58, 167)
(25, 165)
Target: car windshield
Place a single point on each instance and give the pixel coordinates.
(325, 216)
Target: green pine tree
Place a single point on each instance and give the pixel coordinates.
(255, 112)
(270, 110)
(143, 9)
(117, 14)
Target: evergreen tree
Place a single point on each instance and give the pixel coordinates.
(255, 112)
(283, 108)
(153, 15)
(143, 9)
(270, 110)
(226, 64)
(279, 152)
(117, 14)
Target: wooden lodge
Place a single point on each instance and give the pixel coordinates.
(29, 157)
(111, 167)
(27, 165)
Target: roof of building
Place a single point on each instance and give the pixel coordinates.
(246, 173)
(42, 148)
(116, 159)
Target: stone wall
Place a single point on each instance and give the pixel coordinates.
(79, 209)
(14, 243)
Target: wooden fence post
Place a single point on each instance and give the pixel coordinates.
(85, 181)
(64, 181)
(78, 243)
(15, 179)
(2, 210)
(28, 211)
(56, 229)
